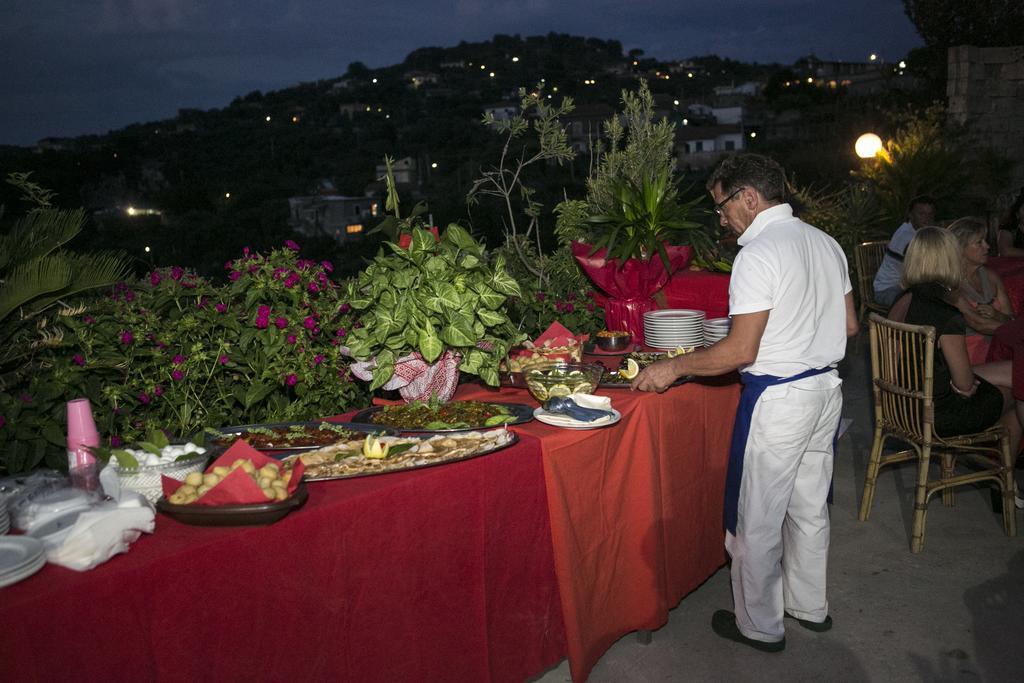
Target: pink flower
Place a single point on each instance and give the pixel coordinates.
(221, 308)
(178, 359)
(223, 360)
(177, 375)
(25, 398)
(245, 250)
(291, 380)
(281, 323)
(341, 332)
(262, 323)
(540, 296)
(291, 280)
(291, 245)
(3, 421)
(313, 287)
(278, 273)
(160, 345)
(228, 265)
(291, 339)
(234, 275)
(328, 266)
(154, 278)
(188, 284)
(77, 359)
(177, 272)
(144, 398)
(127, 337)
(88, 319)
(318, 359)
(116, 441)
(202, 302)
(129, 295)
(158, 390)
(344, 308)
(309, 323)
(569, 308)
(590, 307)
(571, 296)
(253, 268)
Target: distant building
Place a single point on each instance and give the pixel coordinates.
(417, 79)
(350, 109)
(405, 170)
(585, 124)
(502, 111)
(701, 146)
(749, 89)
(343, 218)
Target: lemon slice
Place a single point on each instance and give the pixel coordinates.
(631, 370)
(576, 373)
(538, 389)
(559, 390)
(583, 388)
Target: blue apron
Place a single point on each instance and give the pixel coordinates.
(753, 387)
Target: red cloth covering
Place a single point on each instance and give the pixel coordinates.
(629, 288)
(635, 509)
(699, 290)
(487, 569)
(439, 574)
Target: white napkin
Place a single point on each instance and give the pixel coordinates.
(592, 401)
(102, 532)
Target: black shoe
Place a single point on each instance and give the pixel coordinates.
(816, 626)
(723, 622)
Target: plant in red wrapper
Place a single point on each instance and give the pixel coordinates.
(630, 284)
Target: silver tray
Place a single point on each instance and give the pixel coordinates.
(469, 456)
(520, 411)
(351, 426)
(625, 383)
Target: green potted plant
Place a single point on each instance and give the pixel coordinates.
(430, 311)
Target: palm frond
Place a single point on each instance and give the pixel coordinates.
(33, 280)
(39, 233)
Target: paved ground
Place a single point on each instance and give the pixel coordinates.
(953, 612)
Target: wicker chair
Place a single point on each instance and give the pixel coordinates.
(902, 358)
(868, 257)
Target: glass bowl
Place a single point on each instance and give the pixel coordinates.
(146, 479)
(549, 380)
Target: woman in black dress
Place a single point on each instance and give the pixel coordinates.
(967, 399)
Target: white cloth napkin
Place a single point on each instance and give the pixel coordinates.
(592, 401)
(102, 532)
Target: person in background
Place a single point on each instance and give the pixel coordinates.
(792, 310)
(1010, 237)
(920, 212)
(983, 300)
(968, 398)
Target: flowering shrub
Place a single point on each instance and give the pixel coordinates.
(573, 308)
(176, 352)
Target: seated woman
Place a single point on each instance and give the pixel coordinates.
(967, 399)
(1010, 238)
(983, 300)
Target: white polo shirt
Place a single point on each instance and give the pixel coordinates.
(799, 274)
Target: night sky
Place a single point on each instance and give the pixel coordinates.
(87, 66)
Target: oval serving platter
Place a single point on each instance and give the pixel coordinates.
(520, 411)
(229, 434)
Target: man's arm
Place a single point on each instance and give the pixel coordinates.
(737, 350)
(852, 323)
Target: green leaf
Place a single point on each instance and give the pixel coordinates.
(458, 334)
(430, 345)
(150, 447)
(381, 374)
(449, 296)
(423, 242)
(158, 438)
(490, 318)
(256, 393)
(458, 236)
(125, 460)
(489, 298)
(495, 420)
(490, 376)
(468, 261)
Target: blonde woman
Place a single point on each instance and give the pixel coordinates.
(967, 398)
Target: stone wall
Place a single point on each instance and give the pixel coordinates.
(985, 88)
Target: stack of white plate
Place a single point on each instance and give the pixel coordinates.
(20, 558)
(5, 517)
(715, 330)
(674, 327)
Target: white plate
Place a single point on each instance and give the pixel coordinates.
(566, 422)
(24, 572)
(18, 552)
(675, 313)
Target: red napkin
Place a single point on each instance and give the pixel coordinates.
(237, 488)
(555, 343)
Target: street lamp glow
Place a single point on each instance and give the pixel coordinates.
(227, 195)
(268, 118)
(491, 74)
(675, 102)
(433, 165)
(753, 135)
(147, 250)
(515, 59)
(903, 64)
(873, 57)
(374, 80)
(868, 146)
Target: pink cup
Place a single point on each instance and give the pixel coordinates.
(81, 432)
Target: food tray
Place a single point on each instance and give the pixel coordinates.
(520, 411)
(235, 431)
(253, 514)
(625, 384)
(512, 439)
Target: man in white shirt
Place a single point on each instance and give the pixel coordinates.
(791, 305)
(920, 213)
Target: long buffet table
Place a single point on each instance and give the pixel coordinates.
(489, 569)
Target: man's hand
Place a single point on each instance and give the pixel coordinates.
(657, 376)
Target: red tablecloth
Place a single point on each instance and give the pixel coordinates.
(697, 289)
(488, 569)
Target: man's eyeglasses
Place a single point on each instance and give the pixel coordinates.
(720, 205)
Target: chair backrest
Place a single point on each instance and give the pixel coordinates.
(902, 363)
(867, 257)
